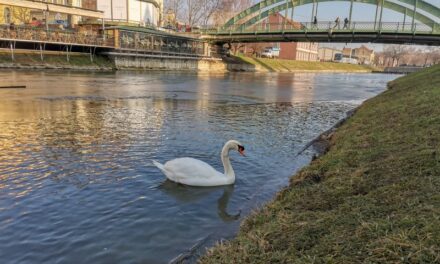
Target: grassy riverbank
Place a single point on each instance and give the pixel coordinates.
(279, 65)
(26, 59)
(373, 198)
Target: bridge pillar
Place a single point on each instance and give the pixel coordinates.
(12, 46)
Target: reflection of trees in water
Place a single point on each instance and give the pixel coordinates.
(190, 194)
(81, 138)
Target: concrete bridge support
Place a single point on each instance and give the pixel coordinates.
(139, 62)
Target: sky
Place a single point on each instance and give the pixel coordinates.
(328, 11)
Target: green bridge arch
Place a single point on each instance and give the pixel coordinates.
(256, 10)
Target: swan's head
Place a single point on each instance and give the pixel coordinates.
(234, 144)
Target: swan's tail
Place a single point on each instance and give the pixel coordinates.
(159, 165)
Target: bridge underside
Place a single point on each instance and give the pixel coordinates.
(364, 37)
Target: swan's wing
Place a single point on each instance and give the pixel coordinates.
(193, 172)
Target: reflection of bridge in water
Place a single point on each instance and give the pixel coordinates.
(420, 24)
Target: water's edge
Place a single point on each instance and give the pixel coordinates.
(315, 148)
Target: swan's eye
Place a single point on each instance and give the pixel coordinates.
(241, 150)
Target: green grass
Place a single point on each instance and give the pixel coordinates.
(373, 198)
(279, 65)
(33, 59)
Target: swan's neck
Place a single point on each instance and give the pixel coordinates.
(226, 162)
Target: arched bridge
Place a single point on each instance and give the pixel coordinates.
(420, 24)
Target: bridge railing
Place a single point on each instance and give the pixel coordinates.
(26, 33)
(145, 42)
(327, 26)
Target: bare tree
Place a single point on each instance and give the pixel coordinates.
(255, 49)
(408, 55)
(204, 12)
(432, 56)
(395, 53)
(209, 9)
(174, 6)
(228, 9)
(194, 12)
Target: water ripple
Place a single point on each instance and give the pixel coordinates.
(76, 181)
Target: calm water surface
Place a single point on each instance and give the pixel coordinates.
(76, 181)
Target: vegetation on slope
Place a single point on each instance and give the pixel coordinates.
(279, 65)
(54, 59)
(373, 198)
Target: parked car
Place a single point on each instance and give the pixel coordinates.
(270, 52)
(267, 53)
(341, 59)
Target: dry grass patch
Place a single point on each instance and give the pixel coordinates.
(373, 198)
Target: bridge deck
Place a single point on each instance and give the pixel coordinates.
(398, 33)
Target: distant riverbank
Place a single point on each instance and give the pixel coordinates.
(280, 65)
(33, 59)
(373, 197)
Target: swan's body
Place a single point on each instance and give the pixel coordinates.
(195, 172)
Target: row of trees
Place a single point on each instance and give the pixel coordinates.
(395, 55)
(205, 12)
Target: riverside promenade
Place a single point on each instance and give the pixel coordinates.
(125, 47)
(95, 40)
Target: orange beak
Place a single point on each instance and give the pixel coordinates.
(241, 153)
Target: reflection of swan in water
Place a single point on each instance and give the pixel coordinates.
(188, 194)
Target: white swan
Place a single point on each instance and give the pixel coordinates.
(195, 172)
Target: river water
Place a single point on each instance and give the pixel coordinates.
(76, 181)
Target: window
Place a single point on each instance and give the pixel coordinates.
(7, 15)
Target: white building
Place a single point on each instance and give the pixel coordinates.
(143, 12)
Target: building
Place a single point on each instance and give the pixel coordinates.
(55, 12)
(141, 12)
(363, 54)
(302, 51)
(16, 15)
(327, 54)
